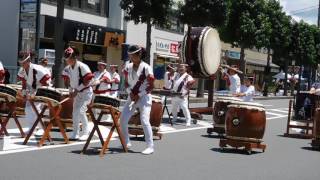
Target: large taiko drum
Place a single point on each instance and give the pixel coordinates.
(220, 109)
(245, 121)
(201, 50)
(135, 126)
(317, 124)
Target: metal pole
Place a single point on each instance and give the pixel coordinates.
(37, 43)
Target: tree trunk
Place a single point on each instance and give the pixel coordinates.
(266, 75)
(200, 89)
(59, 45)
(210, 92)
(299, 80)
(148, 43)
(285, 90)
(242, 63)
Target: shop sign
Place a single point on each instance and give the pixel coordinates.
(233, 54)
(28, 7)
(167, 47)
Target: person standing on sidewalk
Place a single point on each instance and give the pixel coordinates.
(182, 84)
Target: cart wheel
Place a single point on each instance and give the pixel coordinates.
(222, 149)
(209, 131)
(263, 150)
(249, 152)
(194, 121)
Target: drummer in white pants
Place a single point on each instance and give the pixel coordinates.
(115, 81)
(80, 78)
(182, 84)
(32, 76)
(168, 80)
(139, 83)
(102, 84)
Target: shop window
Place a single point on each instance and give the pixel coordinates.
(99, 7)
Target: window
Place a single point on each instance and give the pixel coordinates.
(98, 7)
(173, 24)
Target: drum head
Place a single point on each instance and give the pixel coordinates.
(210, 50)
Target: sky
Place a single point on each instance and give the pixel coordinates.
(306, 10)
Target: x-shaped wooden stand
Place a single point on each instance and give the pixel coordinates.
(53, 120)
(115, 114)
(11, 114)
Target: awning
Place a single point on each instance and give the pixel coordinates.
(259, 65)
(167, 56)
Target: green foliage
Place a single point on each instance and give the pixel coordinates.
(142, 11)
(203, 12)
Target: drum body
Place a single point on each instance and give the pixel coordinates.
(155, 114)
(317, 124)
(245, 121)
(201, 50)
(106, 100)
(9, 92)
(67, 106)
(48, 94)
(220, 109)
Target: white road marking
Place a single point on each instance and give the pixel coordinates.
(274, 114)
(18, 147)
(278, 110)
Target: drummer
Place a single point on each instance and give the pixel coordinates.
(32, 76)
(231, 75)
(44, 63)
(139, 80)
(182, 84)
(115, 80)
(248, 91)
(80, 78)
(102, 80)
(2, 73)
(168, 79)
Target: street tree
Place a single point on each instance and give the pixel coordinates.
(151, 12)
(244, 28)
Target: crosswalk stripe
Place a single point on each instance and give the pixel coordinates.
(278, 110)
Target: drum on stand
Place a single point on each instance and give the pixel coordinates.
(135, 127)
(201, 50)
(219, 112)
(245, 126)
(315, 143)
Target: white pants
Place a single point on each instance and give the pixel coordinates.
(80, 103)
(144, 105)
(31, 115)
(183, 104)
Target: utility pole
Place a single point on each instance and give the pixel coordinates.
(319, 15)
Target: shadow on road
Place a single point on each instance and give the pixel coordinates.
(215, 136)
(234, 151)
(95, 151)
(310, 148)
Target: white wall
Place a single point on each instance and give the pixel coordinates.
(51, 10)
(9, 32)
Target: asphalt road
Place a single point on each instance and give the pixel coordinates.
(181, 154)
